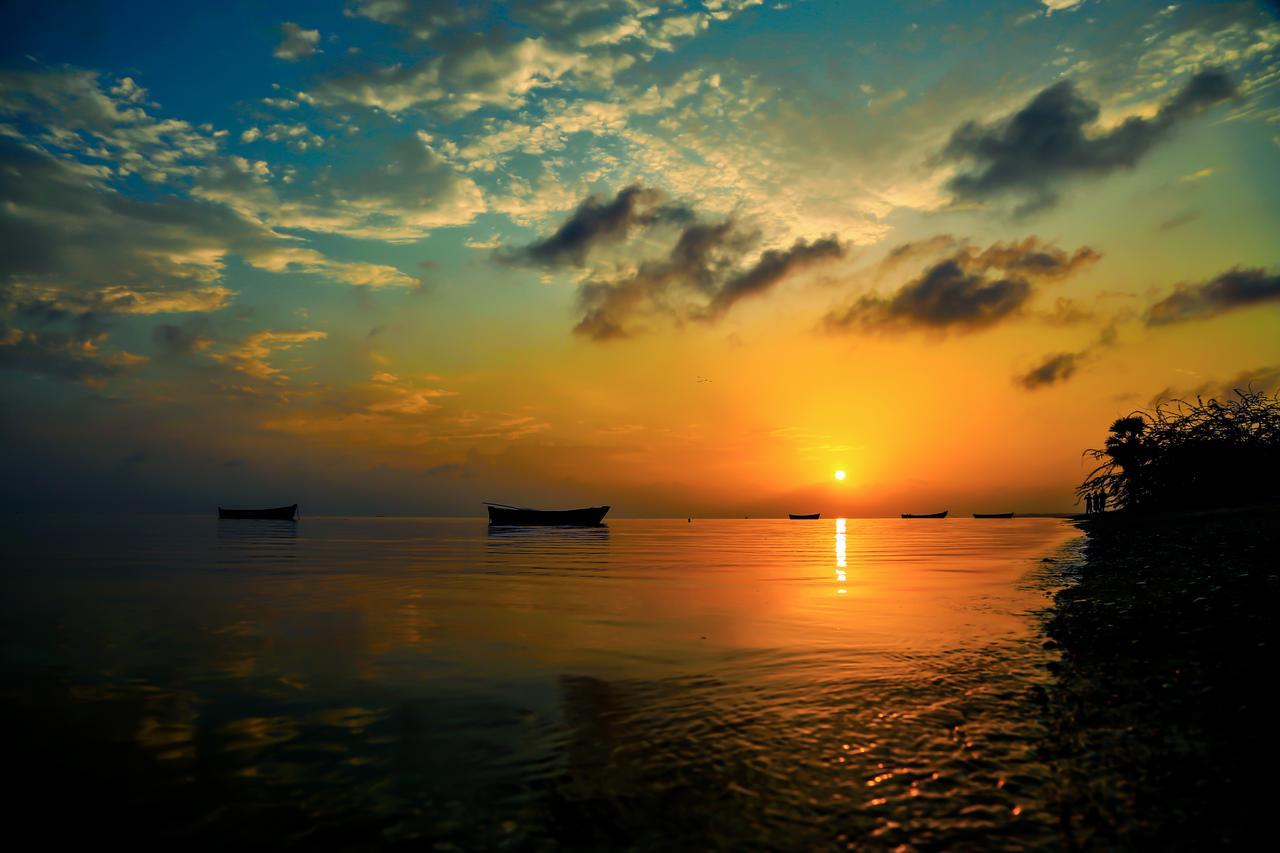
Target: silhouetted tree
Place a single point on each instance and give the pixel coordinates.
(1184, 455)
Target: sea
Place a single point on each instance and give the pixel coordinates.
(422, 683)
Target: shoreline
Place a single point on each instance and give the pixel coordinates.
(1158, 715)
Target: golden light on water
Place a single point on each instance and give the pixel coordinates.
(841, 575)
(840, 475)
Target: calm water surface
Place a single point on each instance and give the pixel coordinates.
(354, 683)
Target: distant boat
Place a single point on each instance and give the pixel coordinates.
(279, 513)
(942, 514)
(586, 517)
(807, 516)
(993, 515)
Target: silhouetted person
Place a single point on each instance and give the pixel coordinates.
(1088, 504)
(1102, 502)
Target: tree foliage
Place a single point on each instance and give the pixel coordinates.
(1184, 455)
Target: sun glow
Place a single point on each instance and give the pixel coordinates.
(840, 475)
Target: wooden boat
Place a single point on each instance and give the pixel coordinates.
(807, 516)
(942, 514)
(993, 515)
(586, 517)
(279, 513)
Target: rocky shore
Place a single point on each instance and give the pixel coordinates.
(1162, 725)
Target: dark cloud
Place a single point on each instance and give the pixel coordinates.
(191, 335)
(1178, 220)
(596, 222)
(915, 248)
(53, 356)
(49, 316)
(945, 296)
(69, 244)
(1066, 312)
(701, 279)
(1237, 288)
(703, 255)
(774, 265)
(1055, 138)
(1054, 369)
(1265, 379)
(709, 268)
(970, 289)
(1059, 367)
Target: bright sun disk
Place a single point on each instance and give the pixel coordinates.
(839, 475)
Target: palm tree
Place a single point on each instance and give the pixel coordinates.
(1186, 454)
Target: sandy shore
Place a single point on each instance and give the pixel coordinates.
(1162, 727)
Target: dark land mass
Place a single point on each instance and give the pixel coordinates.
(1162, 721)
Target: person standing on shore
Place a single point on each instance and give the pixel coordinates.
(1088, 504)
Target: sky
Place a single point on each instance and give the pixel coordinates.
(403, 256)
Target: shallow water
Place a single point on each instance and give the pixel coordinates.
(651, 684)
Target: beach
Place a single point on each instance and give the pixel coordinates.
(1160, 715)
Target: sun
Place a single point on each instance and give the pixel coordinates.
(840, 475)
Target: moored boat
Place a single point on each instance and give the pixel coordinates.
(993, 515)
(942, 514)
(585, 517)
(278, 513)
(807, 516)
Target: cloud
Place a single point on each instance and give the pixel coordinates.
(596, 221)
(707, 268)
(702, 278)
(192, 335)
(1234, 289)
(773, 266)
(74, 244)
(1059, 367)
(106, 127)
(1186, 217)
(421, 18)
(68, 239)
(395, 189)
(68, 357)
(1055, 137)
(1266, 378)
(1055, 368)
(250, 355)
(969, 290)
(295, 42)
(477, 71)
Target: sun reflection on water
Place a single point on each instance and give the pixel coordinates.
(840, 555)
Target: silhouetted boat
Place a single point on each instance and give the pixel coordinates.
(942, 514)
(796, 516)
(279, 513)
(993, 515)
(587, 516)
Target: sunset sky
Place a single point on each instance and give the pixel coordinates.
(401, 256)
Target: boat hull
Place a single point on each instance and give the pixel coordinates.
(278, 513)
(993, 515)
(802, 516)
(585, 517)
(942, 514)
